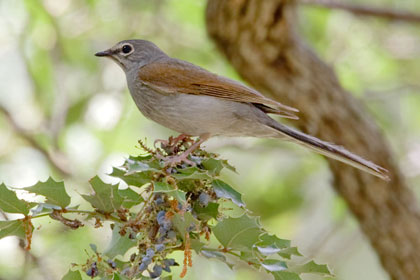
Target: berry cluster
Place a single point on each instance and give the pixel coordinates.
(158, 236)
(159, 266)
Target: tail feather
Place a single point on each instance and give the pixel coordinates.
(330, 150)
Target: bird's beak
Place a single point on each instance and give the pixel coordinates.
(104, 53)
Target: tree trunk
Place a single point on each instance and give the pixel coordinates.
(259, 39)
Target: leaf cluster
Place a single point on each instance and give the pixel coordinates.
(163, 209)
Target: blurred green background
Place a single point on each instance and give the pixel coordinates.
(64, 107)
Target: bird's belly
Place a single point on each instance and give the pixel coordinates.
(198, 115)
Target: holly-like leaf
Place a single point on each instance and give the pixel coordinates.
(140, 164)
(119, 245)
(191, 173)
(44, 207)
(311, 267)
(223, 190)
(14, 227)
(196, 245)
(11, 204)
(208, 212)
(106, 197)
(238, 233)
(215, 166)
(130, 197)
(135, 179)
(250, 257)
(161, 187)
(287, 253)
(54, 192)
(214, 254)
(271, 244)
(285, 275)
(72, 275)
(267, 240)
(274, 265)
(270, 250)
(184, 223)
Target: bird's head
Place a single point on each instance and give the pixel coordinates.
(133, 53)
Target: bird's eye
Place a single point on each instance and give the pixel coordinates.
(126, 49)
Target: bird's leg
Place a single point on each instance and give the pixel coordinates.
(183, 157)
(172, 141)
(180, 138)
(161, 141)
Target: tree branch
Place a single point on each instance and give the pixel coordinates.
(260, 39)
(34, 144)
(362, 10)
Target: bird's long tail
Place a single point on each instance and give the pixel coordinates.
(330, 150)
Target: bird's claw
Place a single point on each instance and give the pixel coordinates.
(179, 159)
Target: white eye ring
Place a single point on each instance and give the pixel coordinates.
(127, 49)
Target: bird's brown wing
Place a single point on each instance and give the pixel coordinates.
(174, 76)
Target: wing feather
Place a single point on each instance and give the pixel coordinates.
(175, 76)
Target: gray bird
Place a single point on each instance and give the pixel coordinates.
(193, 101)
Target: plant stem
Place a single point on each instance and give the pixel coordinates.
(94, 213)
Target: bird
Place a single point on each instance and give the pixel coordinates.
(195, 102)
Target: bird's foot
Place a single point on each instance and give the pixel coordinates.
(173, 142)
(178, 159)
(183, 157)
(162, 142)
(180, 139)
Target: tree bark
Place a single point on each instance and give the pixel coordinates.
(259, 39)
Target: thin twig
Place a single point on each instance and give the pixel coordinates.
(364, 10)
(77, 211)
(33, 143)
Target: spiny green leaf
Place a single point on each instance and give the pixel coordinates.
(130, 197)
(238, 233)
(272, 248)
(11, 204)
(274, 265)
(137, 171)
(14, 227)
(54, 192)
(196, 245)
(214, 254)
(285, 275)
(268, 250)
(215, 166)
(267, 240)
(311, 267)
(250, 257)
(161, 187)
(191, 173)
(72, 275)
(289, 252)
(184, 223)
(136, 179)
(44, 207)
(208, 212)
(119, 245)
(223, 190)
(106, 197)
(140, 164)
